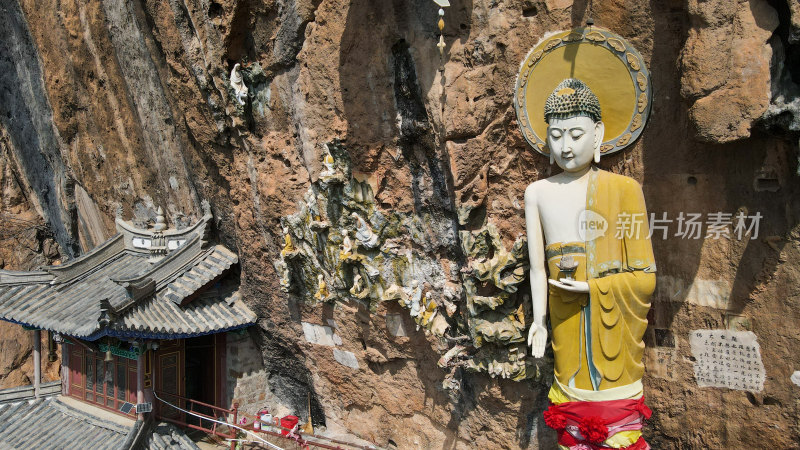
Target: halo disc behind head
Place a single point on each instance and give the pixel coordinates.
(607, 63)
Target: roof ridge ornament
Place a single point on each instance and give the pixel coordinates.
(137, 288)
(106, 314)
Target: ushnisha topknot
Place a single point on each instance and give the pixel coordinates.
(571, 98)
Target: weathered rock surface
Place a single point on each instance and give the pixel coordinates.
(25, 242)
(106, 104)
(726, 70)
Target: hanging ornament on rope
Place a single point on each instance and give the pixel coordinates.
(441, 45)
(589, 16)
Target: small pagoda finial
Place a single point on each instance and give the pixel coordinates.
(160, 224)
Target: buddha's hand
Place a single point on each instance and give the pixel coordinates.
(566, 284)
(537, 338)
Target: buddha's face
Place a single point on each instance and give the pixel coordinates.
(574, 141)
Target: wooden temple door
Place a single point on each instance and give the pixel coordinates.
(76, 371)
(169, 378)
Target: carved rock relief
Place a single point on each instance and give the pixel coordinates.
(340, 247)
(496, 310)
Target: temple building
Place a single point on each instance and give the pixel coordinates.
(146, 312)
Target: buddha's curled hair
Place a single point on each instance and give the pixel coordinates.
(571, 98)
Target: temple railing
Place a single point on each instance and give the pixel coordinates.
(199, 417)
(198, 412)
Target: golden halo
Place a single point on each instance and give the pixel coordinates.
(606, 62)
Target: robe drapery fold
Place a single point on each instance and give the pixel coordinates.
(598, 338)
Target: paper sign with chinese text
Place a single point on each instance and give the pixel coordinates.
(727, 359)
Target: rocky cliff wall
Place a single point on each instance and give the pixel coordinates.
(107, 104)
(26, 242)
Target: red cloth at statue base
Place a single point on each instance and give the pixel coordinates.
(586, 425)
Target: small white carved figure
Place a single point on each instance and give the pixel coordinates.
(288, 246)
(415, 298)
(346, 249)
(364, 232)
(328, 162)
(237, 83)
(360, 288)
(322, 292)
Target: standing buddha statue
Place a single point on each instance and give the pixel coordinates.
(596, 273)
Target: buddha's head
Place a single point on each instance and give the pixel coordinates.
(574, 126)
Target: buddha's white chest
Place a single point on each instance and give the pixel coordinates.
(560, 209)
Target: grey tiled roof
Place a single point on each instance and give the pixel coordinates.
(167, 436)
(206, 267)
(49, 424)
(73, 307)
(216, 309)
(185, 293)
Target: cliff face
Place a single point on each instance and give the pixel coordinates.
(108, 104)
(25, 243)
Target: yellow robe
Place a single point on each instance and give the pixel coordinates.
(598, 338)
